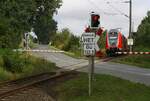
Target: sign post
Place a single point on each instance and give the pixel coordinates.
(89, 51)
(91, 73)
(90, 39)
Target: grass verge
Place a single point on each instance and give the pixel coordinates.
(17, 65)
(105, 88)
(136, 60)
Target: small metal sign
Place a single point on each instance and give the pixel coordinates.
(89, 44)
(130, 42)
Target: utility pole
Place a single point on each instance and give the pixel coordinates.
(130, 23)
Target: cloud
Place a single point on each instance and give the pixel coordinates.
(75, 14)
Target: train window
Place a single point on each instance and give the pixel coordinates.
(113, 34)
(113, 41)
(113, 37)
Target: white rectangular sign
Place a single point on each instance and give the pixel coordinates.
(130, 42)
(89, 44)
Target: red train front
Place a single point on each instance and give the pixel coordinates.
(115, 41)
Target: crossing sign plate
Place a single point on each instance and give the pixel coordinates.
(89, 44)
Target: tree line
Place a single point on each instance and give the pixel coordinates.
(19, 16)
(67, 41)
(142, 36)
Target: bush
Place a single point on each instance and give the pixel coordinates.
(4, 75)
(41, 65)
(35, 65)
(12, 62)
(15, 65)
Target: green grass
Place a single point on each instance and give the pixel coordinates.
(5, 75)
(18, 65)
(136, 60)
(105, 88)
(141, 49)
(36, 65)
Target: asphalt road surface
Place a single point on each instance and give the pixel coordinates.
(60, 59)
(132, 73)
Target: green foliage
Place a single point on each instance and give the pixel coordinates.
(5, 75)
(14, 64)
(14, 21)
(38, 65)
(66, 41)
(142, 48)
(1, 61)
(102, 41)
(142, 38)
(45, 26)
(61, 39)
(18, 63)
(72, 44)
(45, 29)
(18, 16)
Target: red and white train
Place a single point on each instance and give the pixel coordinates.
(115, 42)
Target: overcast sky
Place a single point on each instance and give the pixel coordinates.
(75, 14)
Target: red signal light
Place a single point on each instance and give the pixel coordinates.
(95, 20)
(95, 17)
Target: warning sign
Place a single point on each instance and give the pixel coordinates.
(89, 44)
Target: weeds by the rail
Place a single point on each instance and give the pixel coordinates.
(5, 75)
(136, 60)
(16, 65)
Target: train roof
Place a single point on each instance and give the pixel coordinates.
(113, 30)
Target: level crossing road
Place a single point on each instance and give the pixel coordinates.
(132, 73)
(60, 59)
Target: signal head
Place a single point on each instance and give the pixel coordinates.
(95, 20)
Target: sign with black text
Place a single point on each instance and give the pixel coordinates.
(89, 44)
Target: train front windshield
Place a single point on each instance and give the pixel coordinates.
(113, 37)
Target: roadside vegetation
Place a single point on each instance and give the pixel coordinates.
(142, 36)
(18, 17)
(142, 61)
(16, 65)
(68, 42)
(105, 88)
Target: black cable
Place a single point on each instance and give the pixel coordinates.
(118, 10)
(106, 13)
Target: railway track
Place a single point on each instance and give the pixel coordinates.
(106, 59)
(11, 87)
